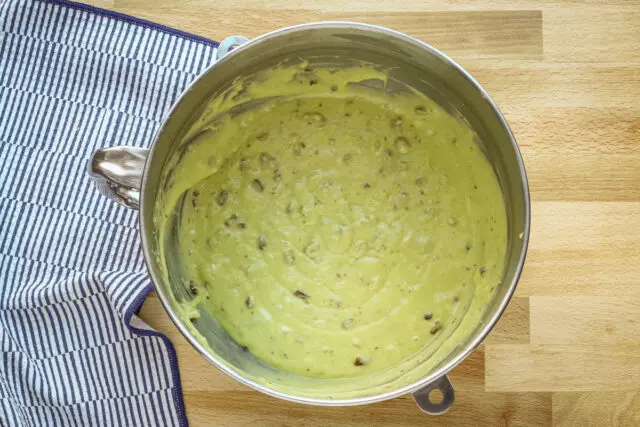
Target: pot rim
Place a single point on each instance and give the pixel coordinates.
(479, 335)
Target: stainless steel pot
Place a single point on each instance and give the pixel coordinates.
(133, 177)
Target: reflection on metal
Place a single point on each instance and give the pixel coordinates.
(117, 172)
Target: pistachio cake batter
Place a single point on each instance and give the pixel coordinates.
(338, 232)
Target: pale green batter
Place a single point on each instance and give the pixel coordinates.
(340, 232)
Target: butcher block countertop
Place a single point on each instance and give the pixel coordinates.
(566, 74)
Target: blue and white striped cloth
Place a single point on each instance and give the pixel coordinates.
(73, 79)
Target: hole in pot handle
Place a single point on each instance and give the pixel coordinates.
(117, 172)
(228, 44)
(423, 399)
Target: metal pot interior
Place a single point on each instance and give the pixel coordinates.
(412, 64)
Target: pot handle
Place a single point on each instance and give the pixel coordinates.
(424, 401)
(117, 172)
(228, 44)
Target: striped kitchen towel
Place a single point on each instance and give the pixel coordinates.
(74, 78)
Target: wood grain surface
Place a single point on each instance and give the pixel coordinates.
(566, 74)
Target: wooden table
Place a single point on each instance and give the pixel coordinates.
(567, 77)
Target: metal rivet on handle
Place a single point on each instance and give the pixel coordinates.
(229, 44)
(423, 399)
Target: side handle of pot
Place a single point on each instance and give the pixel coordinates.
(423, 398)
(228, 44)
(117, 172)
